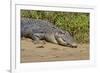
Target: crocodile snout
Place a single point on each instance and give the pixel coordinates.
(74, 45)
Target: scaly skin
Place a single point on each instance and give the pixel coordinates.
(44, 30)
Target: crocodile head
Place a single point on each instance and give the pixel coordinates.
(68, 39)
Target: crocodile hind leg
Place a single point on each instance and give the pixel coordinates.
(37, 40)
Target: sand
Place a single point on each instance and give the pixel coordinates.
(45, 52)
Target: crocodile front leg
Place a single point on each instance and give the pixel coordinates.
(50, 38)
(61, 42)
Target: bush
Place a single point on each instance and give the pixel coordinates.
(76, 23)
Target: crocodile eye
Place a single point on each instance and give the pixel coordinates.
(61, 32)
(53, 27)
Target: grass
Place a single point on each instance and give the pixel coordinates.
(75, 22)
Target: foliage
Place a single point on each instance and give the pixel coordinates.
(76, 23)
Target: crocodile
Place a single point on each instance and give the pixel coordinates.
(38, 29)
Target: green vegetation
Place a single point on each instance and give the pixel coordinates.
(74, 22)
